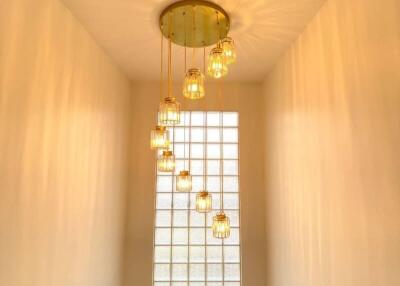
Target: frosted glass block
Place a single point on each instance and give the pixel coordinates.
(163, 218)
(179, 150)
(231, 167)
(161, 284)
(216, 202)
(214, 271)
(213, 151)
(214, 254)
(179, 254)
(162, 254)
(213, 119)
(214, 284)
(211, 240)
(179, 236)
(197, 253)
(181, 201)
(233, 238)
(233, 217)
(232, 254)
(197, 284)
(197, 134)
(231, 184)
(162, 236)
(197, 272)
(197, 167)
(180, 218)
(231, 283)
(197, 236)
(231, 201)
(161, 272)
(213, 135)
(164, 183)
(213, 184)
(179, 272)
(163, 201)
(193, 199)
(197, 183)
(179, 165)
(213, 167)
(179, 134)
(197, 151)
(230, 119)
(230, 151)
(197, 118)
(196, 219)
(230, 135)
(180, 283)
(232, 272)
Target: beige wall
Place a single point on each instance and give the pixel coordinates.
(245, 98)
(63, 143)
(332, 150)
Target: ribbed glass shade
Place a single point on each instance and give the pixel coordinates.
(184, 182)
(193, 86)
(229, 52)
(166, 162)
(203, 202)
(159, 138)
(221, 226)
(169, 111)
(217, 66)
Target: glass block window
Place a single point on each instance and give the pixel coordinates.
(185, 251)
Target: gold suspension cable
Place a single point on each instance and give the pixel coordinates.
(161, 63)
(184, 24)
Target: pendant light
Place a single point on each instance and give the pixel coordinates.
(159, 138)
(228, 50)
(217, 66)
(166, 162)
(184, 179)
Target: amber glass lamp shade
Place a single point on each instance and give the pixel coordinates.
(166, 162)
(193, 86)
(169, 111)
(184, 181)
(159, 138)
(217, 66)
(228, 50)
(221, 226)
(203, 202)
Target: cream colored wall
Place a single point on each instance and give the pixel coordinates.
(332, 150)
(63, 151)
(245, 98)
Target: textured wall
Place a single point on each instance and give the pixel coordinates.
(63, 142)
(245, 98)
(332, 150)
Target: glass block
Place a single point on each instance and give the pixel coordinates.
(230, 151)
(231, 283)
(180, 218)
(197, 236)
(197, 183)
(197, 151)
(161, 272)
(197, 167)
(197, 253)
(213, 135)
(179, 236)
(197, 283)
(163, 201)
(179, 272)
(197, 134)
(193, 199)
(214, 254)
(233, 217)
(197, 219)
(231, 184)
(197, 272)
(180, 254)
(179, 165)
(230, 135)
(197, 118)
(184, 283)
(164, 183)
(163, 236)
(162, 254)
(231, 167)
(215, 284)
(233, 238)
(179, 150)
(231, 201)
(214, 271)
(211, 240)
(213, 167)
(213, 184)
(232, 253)
(163, 218)
(213, 119)
(161, 284)
(213, 151)
(232, 272)
(181, 201)
(230, 119)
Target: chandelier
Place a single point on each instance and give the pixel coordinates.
(192, 24)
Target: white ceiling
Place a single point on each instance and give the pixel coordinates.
(128, 31)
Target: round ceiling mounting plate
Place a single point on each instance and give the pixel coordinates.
(194, 23)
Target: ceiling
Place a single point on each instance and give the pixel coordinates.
(128, 31)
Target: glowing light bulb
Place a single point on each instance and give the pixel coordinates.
(193, 86)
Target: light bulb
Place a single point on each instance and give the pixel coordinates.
(159, 138)
(166, 162)
(184, 182)
(217, 66)
(203, 202)
(169, 111)
(228, 50)
(193, 86)
(221, 226)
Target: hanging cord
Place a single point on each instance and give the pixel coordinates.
(184, 142)
(190, 141)
(205, 151)
(204, 60)
(220, 103)
(169, 59)
(161, 63)
(184, 24)
(194, 35)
